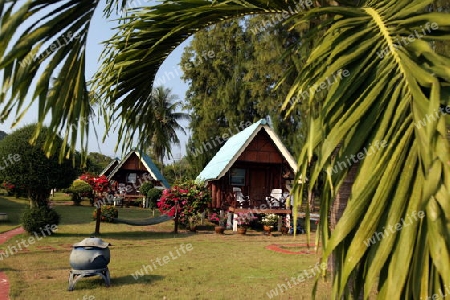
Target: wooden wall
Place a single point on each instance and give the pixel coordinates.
(134, 163)
(262, 149)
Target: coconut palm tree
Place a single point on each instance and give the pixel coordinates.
(166, 118)
(370, 79)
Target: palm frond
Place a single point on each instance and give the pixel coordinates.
(42, 58)
(393, 85)
(146, 37)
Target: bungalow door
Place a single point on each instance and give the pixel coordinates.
(258, 188)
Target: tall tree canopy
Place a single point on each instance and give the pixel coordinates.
(96, 162)
(381, 97)
(217, 97)
(232, 69)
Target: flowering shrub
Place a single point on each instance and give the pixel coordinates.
(98, 184)
(244, 219)
(188, 200)
(269, 219)
(215, 218)
(109, 212)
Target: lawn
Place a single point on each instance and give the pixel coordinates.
(226, 266)
(14, 208)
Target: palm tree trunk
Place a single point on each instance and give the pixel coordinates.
(337, 210)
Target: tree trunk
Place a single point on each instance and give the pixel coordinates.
(39, 198)
(337, 210)
(97, 220)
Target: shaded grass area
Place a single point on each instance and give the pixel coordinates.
(226, 266)
(14, 207)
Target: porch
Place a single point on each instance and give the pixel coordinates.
(259, 210)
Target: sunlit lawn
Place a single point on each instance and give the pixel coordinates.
(60, 196)
(226, 266)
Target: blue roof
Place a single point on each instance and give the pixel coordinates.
(233, 148)
(154, 170)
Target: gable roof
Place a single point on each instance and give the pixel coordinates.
(110, 167)
(148, 164)
(233, 148)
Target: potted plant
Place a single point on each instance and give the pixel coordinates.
(269, 221)
(219, 220)
(193, 221)
(243, 221)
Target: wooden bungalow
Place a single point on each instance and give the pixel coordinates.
(132, 171)
(252, 172)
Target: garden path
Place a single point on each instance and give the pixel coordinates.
(4, 283)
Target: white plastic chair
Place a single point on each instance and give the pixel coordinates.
(239, 196)
(276, 198)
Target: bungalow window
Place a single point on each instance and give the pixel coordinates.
(237, 176)
(131, 177)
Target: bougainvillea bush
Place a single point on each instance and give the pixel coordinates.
(99, 185)
(188, 199)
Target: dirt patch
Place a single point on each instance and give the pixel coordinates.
(291, 248)
(4, 286)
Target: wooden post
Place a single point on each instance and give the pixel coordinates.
(280, 223)
(214, 196)
(99, 216)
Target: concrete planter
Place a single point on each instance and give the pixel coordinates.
(3, 217)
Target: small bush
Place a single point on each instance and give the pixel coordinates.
(79, 188)
(153, 195)
(35, 219)
(109, 212)
(138, 202)
(145, 187)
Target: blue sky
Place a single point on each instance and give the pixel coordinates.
(100, 30)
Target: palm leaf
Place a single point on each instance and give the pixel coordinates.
(42, 58)
(384, 98)
(146, 37)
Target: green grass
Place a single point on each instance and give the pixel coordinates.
(226, 266)
(59, 196)
(14, 208)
